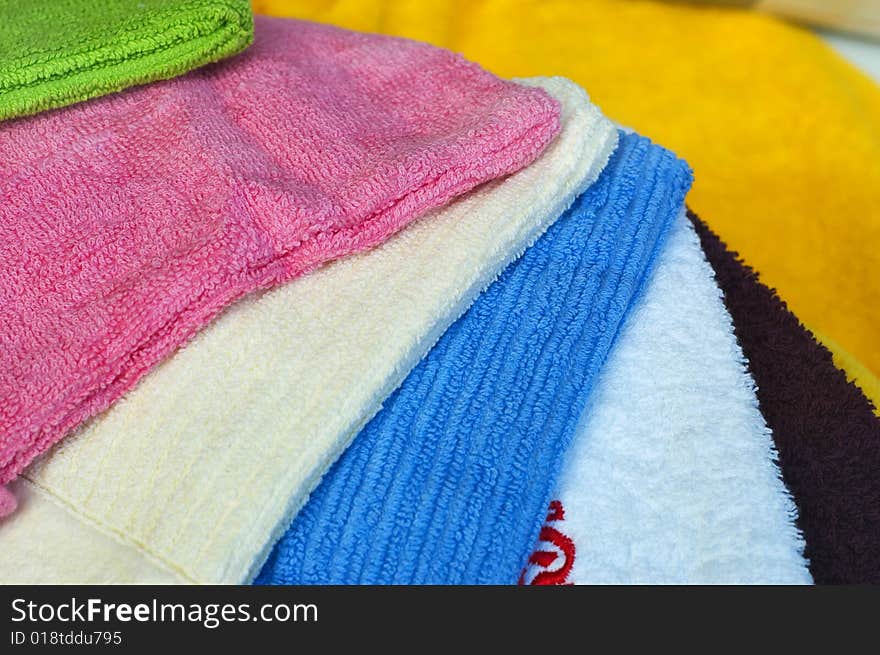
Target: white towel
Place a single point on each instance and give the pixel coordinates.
(672, 477)
(198, 471)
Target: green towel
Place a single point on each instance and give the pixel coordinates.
(58, 52)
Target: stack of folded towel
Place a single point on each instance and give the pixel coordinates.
(337, 307)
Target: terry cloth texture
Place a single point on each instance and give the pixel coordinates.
(868, 384)
(128, 223)
(57, 52)
(671, 477)
(446, 485)
(203, 466)
(785, 138)
(825, 430)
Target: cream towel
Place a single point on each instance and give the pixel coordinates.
(202, 467)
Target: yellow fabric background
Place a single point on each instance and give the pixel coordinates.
(783, 134)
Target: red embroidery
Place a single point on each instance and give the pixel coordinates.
(542, 558)
(545, 558)
(557, 513)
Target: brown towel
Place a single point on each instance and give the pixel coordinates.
(824, 427)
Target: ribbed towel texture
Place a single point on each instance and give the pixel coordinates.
(127, 223)
(671, 478)
(825, 430)
(57, 52)
(201, 467)
(448, 482)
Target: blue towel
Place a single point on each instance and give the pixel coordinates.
(449, 483)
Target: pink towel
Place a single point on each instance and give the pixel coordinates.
(128, 222)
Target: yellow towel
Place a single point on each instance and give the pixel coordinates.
(783, 134)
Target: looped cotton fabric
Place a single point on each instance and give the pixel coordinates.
(128, 223)
(824, 427)
(197, 472)
(785, 138)
(672, 475)
(448, 483)
(57, 52)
